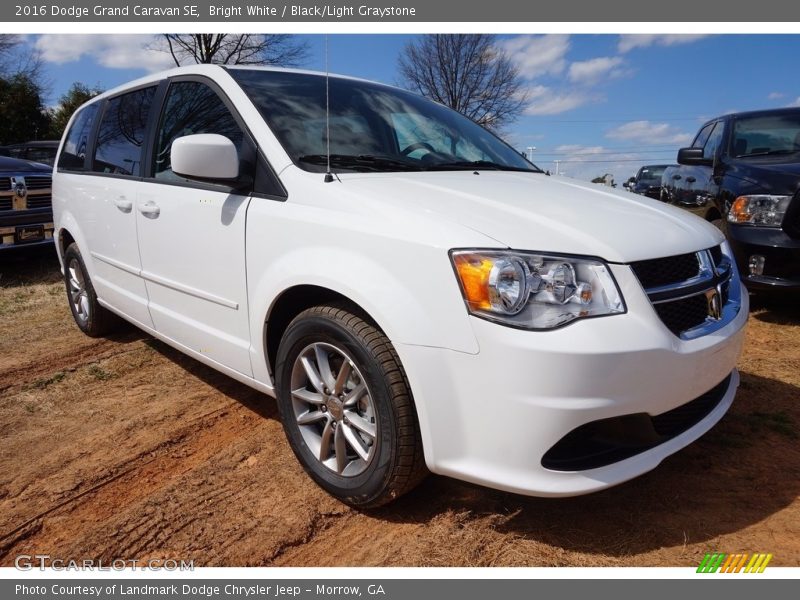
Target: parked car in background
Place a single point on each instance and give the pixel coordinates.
(415, 294)
(742, 173)
(42, 151)
(26, 213)
(647, 181)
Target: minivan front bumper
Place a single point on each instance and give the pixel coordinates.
(491, 418)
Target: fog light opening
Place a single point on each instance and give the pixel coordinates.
(756, 264)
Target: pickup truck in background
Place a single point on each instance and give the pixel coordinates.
(26, 211)
(742, 173)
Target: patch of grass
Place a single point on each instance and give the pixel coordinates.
(40, 384)
(99, 373)
(779, 422)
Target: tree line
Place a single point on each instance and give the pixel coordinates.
(467, 72)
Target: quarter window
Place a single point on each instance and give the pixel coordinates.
(702, 137)
(73, 154)
(713, 142)
(191, 107)
(122, 133)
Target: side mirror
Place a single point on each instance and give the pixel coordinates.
(206, 157)
(693, 156)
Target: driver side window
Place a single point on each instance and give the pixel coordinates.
(191, 107)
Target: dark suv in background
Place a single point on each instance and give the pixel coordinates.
(26, 211)
(647, 181)
(742, 172)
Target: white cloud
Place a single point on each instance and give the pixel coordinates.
(628, 42)
(112, 51)
(776, 96)
(538, 55)
(594, 70)
(543, 100)
(587, 162)
(796, 102)
(649, 133)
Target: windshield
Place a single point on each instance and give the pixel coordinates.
(651, 173)
(372, 127)
(766, 135)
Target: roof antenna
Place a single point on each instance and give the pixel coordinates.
(328, 176)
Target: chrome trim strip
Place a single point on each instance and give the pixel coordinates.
(115, 263)
(173, 285)
(179, 287)
(705, 275)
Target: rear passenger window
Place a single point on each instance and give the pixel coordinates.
(191, 107)
(122, 133)
(73, 154)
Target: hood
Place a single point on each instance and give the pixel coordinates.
(530, 211)
(18, 165)
(770, 167)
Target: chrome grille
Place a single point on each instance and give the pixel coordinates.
(36, 192)
(44, 200)
(38, 183)
(665, 271)
(691, 293)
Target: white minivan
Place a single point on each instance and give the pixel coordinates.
(416, 295)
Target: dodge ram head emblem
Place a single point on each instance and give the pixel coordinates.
(20, 189)
(714, 300)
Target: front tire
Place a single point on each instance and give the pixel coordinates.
(346, 407)
(90, 317)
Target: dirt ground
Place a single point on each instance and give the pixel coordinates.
(124, 448)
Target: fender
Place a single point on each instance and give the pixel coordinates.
(433, 317)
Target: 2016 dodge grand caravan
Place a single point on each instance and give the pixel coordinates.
(415, 294)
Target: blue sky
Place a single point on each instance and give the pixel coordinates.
(598, 103)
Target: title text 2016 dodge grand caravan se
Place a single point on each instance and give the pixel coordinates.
(429, 301)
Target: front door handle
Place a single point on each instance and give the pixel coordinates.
(123, 204)
(150, 210)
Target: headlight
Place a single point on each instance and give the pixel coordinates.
(535, 291)
(761, 209)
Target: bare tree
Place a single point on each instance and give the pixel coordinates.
(234, 49)
(15, 59)
(467, 72)
(8, 42)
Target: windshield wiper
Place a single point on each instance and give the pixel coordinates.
(476, 164)
(368, 162)
(768, 153)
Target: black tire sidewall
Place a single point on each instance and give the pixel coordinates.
(91, 325)
(362, 488)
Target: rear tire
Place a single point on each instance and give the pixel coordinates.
(346, 407)
(91, 318)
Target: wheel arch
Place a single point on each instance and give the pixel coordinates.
(294, 300)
